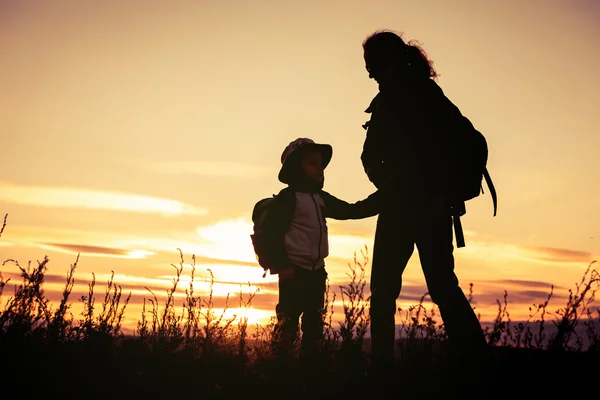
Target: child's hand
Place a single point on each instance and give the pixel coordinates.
(287, 273)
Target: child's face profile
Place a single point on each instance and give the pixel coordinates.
(312, 166)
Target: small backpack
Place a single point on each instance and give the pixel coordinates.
(262, 247)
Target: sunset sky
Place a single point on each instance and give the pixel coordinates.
(130, 129)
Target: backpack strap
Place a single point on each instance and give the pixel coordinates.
(458, 209)
(458, 231)
(490, 184)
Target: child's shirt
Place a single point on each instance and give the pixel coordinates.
(300, 225)
(306, 240)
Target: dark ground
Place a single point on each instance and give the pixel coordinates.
(92, 372)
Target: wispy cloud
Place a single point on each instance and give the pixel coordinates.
(556, 254)
(551, 255)
(94, 199)
(524, 284)
(97, 250)
(219, 261)
(206, 168)
(479, 247)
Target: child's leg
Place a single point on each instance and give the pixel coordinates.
(314, 285)
(288, 315)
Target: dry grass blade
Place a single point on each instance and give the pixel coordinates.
(3, 225)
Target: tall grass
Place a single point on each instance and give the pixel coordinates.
(195, 346)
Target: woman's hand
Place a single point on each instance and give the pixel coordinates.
(287, 273)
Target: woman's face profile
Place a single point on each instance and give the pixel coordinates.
(376, 66)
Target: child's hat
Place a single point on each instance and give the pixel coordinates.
(302, 144)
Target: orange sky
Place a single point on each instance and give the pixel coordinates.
(128, 131)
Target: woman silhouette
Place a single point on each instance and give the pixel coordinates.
(406, 155)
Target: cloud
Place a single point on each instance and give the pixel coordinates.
(95, 199)
(488, 249)
(524, 284)
(219, 261)
(521, 292)
(225, 243)
(15, 278)
(563, 255)
(206, 168)
(140, 285)
(97, 250)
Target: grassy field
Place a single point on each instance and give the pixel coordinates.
(194, 352)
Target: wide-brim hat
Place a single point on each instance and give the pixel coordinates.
(295, 148)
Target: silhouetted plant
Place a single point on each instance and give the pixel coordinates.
(355, 306)
(26, 312)
(331, 335)
(592, 331)
(105, 326)
(165, 334)
(500, 331)
(541, 309)
(263, 337)
(577, 305)
(242, 326)
(3, 224)
(198, 343)
(60, 327)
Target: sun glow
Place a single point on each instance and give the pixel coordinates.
(228, 240)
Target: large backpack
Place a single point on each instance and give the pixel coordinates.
(262, 246)
(470, 156)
